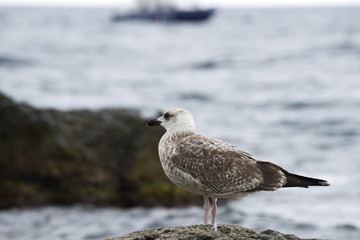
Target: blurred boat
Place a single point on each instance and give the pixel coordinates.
(174, 15)
(164, 11)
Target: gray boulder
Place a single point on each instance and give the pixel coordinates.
(205, 232)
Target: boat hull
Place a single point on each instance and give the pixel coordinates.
(176, 15)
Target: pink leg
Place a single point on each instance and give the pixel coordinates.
(207, 208)
(214, 210)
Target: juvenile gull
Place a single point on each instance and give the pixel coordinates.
(214, 168)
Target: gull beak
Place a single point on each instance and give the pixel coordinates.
(153, 122)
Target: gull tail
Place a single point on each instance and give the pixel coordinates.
(293, 180)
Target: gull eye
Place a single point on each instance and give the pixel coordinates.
(167, 116)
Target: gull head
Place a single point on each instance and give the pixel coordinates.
(175, 120)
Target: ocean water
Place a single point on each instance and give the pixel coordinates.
(282, 84)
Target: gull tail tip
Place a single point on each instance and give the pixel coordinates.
(294, 180)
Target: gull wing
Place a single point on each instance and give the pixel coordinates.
(221, 167)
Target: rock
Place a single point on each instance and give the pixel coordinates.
(205, 232)
(105, 157)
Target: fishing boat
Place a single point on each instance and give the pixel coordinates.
(164, 11)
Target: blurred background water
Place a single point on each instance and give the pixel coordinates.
(282, 84)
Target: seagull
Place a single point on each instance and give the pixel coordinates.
(214, 168)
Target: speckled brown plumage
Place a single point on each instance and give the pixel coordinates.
(221, 169)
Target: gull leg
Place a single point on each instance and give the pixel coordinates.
(214, 212)
(207, 208)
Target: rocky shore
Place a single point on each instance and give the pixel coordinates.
(105, 157)
(206, 232)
